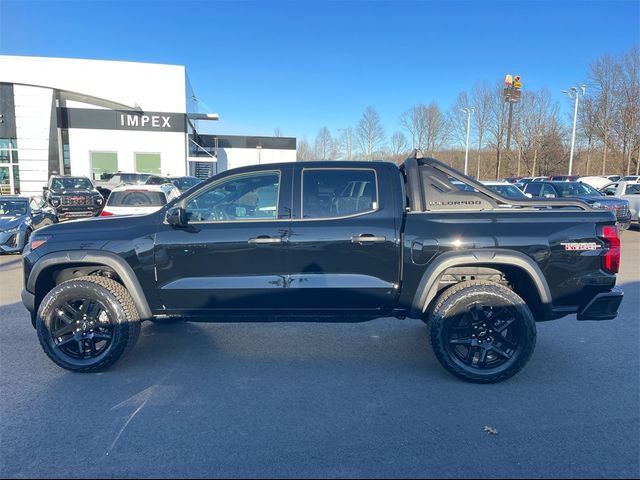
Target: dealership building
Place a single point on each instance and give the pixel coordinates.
(95, 117)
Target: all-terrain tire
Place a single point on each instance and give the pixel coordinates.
(81, 344)
(482, 331)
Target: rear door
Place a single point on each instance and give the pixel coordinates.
(344, 243)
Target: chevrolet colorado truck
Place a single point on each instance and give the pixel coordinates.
(329, 242)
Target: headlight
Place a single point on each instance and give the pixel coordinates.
(604, 206)
(12, 230)
(55, 202)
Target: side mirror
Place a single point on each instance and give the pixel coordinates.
(177, 217)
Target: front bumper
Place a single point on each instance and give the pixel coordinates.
(66, 213)
(603, 306)
(10, 242)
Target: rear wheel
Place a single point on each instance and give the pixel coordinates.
(482, 332)
(87, 324)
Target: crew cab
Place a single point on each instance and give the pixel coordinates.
(329, 242)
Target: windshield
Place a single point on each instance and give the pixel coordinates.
(508, 191)
(11, 208)
(185, 183)
(573, 189)
(136, 198)
(71, 183)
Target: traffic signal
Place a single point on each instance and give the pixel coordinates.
(517, 84)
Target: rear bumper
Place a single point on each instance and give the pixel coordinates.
(603, 306)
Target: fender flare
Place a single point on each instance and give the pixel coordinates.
(428, 286)
(117, 263)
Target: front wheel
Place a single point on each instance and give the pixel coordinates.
(482, 332)
(87, 324)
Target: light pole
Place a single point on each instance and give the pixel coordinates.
(468, 111)
(574, 92)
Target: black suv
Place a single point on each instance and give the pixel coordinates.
(73, 197)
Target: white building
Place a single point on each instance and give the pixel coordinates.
(92, 117)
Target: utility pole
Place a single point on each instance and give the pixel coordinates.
(468, 111)
(573, 92)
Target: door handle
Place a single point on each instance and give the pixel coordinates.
(367, 238)
(265, 240)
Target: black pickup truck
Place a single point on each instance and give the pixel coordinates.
(73, 197)
(329, 242)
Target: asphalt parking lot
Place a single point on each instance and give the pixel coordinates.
(322, 400)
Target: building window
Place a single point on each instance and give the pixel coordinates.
(66, 155)
(9, 170)
(103, 165)
(148, 163)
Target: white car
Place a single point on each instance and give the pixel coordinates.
(139, 199)
(629, 191)
(595, 181)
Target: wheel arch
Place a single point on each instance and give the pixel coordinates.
(41, 278)
(524, 274)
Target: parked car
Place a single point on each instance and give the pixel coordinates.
(329, 241)
(139, 199)
(631, 178)
(523, 181)
(73, 197)
(614, 178)
(506, 189)
(584, 192)
(109, 181)
(540, 179)
(564, 178)
(185, 183)
(512, 179)
(19, 217)
(595, 181)
(628, 191)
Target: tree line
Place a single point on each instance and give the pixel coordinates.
(607, 133)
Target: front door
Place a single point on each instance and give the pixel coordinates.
(232, 254)
(344, 241)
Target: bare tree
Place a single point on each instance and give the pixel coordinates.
(626, 124)
(412, 120)
(304, 150)
(458, 119)
(603, 76)
(344, 143)
(324, 146)
(399, 147)
(481, 102)
(369, 133)
(497, 124)
(277, 132)
(587, 127)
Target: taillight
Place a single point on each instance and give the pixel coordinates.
(611, 258)
(104, 213)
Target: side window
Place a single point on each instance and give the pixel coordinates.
(338, 192)
(610, 190)
(548, 191)
(533, 188)
(243, 197)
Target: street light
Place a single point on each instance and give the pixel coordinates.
(468, 111)
(574, 92)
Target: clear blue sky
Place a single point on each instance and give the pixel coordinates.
(301, 65)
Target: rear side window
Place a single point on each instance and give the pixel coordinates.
(533, 188)
(328, 193)
(136, 199)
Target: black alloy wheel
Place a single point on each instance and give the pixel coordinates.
(482, 331)
(87, 324)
